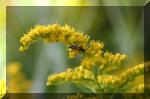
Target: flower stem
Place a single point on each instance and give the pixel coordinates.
(95, 75)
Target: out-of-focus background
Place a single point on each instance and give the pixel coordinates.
(120, 28)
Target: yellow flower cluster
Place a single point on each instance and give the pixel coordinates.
(115, 59)
(94, 47)
(111, 81)
(95, 63)
(2, 87)
(54, 33)
(75, 75)
(132, 73)
(68, 35)
(108, 80)
(97, 58)
(17, 82)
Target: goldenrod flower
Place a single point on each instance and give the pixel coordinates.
(115, 59)
(132, 73)
(88, 62)
(94, 47)
(111, 81)
(54, 33)
(106, 60)
(107, 81)
(75, 75)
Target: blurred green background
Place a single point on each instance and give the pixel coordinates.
(120, 28)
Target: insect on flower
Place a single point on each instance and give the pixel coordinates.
(79, 48)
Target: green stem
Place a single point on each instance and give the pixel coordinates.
(86, 88)
(96, 72)
(97, 83)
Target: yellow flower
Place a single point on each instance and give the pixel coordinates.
(107, 79)
(75, 75)
(94, 47)
(106, 54)
(132, 73)
(114, 59)
(117, 81)
(123, 57)
(99, 53)
(52, 33)
(103, 61)
(88, 62)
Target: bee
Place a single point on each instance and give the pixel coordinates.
(79, 48)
